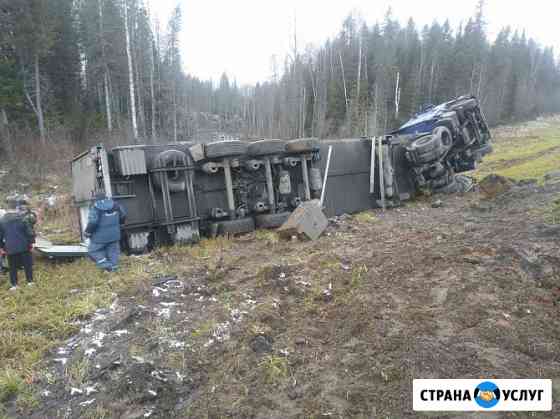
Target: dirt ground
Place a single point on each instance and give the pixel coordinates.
(255, 327)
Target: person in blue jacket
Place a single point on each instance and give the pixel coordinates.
(104, 232)
(16, 241)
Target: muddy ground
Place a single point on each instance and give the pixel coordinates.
(254, 327)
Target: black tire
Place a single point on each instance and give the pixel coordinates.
(266, 147)
(452, 124)
(175, 179)
(464, 183)
(223, 149)
(452, 187)
(425, 144)
(444, 135)
(437, 171)
(429, 157)
(441, 182)
(243, 225)
(271, 220)
(302, 145)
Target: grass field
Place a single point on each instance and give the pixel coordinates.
(36, 319)
(527, 151)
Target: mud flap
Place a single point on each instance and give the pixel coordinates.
(243, 225)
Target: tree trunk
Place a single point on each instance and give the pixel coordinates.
(397, 95)
(130, 74)
(303, 114)
(38, 104)
(152, 94)
(313, 109)
(366, 107)
(174, 94)
(343, 82)
(106, 68)
(359, 79)
(140, 91)
(5, 130)
(108, 102)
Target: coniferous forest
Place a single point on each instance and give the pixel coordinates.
(83, 70)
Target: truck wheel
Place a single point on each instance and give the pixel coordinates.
(437, 170)
(271, 220)
(266, 147)
(444, 135)
(440, 182)
(222, 149)
(428, 157)
(302, 145)
(451, 187)
(425, 144)
(464, 183)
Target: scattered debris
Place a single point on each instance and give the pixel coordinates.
(91, 389)
(437, 204)
(74, 391)
(307, 220)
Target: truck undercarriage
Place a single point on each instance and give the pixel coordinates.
(176, 193)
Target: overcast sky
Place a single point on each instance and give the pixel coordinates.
(239, 37)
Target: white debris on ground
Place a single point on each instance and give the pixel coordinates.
(91, 389)
(164, 312)
(222, 331)
(98, 339)
(102, 341)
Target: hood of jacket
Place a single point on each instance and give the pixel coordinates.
(104, 204)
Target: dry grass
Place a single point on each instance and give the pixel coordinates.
(34, 320)
(528, 156)
(366, 217)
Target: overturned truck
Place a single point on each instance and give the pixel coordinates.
(178, 192)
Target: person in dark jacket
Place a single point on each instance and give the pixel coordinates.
(104, 232)
(16, 241)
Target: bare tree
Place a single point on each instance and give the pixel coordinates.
(105, 67)
(130, 73)
(343, 81)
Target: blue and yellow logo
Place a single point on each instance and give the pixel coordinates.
(487, 394)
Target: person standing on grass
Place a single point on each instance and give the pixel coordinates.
(104, 232)
(16, 242)
(3, 266)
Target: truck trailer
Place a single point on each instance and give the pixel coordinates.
(176, 193)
